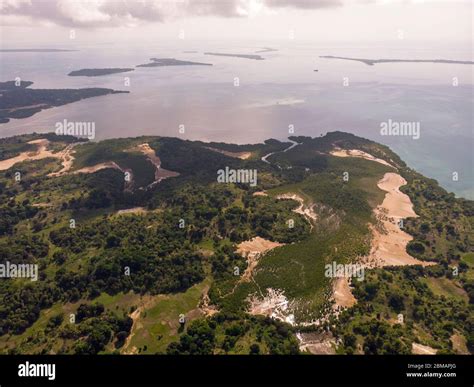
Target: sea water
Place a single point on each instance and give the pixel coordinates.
(246, 101)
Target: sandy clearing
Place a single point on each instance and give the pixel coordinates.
(389, 241)
(160, 173)
(134, 316)
(236, 155)
(459, 343)
(207, 309)
(306, 211)
(42, 205)
(67, 159)
(106, 165)
(256, 245)
(252, 250)
(420, 349)
(98, 167)
(396, 202)
(317, 343)
(65, 155)
(260, 193)
(342, 293)
(134, 210)
(40, 153)
(274, 304)
(360, 154)
(145, 302)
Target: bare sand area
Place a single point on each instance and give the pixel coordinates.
(67, 159)
(360, 154)
(134, 210)
(40, 153)
(160, 173)
(389, 241)
(317, 343)
(273, 304)
(420, 349)
(306, 210)
(236, 155)
(98, 167)
(252, 250)
(342, 293)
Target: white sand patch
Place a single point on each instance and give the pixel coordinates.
(256, 245)
(67, 159)
(205, 307)
(396, 202)
(160, 173)
(40, 153)
(360, 154)
(98, 167)
(236, 155)
(274, 304)
(134, 210)
(420, 349)
(253, 249)
(342, 293)
(42, 205)
(306, 210)
(317, 343)
(389, 240)
(289, 101)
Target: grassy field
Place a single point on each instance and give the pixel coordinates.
(446, 287)
(158, 324)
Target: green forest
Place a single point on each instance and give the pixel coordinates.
(146, 266)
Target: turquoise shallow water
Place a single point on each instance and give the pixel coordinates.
(273, 94)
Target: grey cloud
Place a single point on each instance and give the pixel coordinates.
(305, 4)
(122, 12)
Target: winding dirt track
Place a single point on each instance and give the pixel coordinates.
(389, 241)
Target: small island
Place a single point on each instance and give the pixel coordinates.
(17, 101)
(244, 56)
(371, 62)
(97, 72)
(266, 49)
(34, 50)
(161, 62)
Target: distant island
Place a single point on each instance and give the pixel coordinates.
(190, 52)
(160, 62)
(245, 56)
(266, 49)
(371, 62)
(34, 50)
(17, 101)
(97, 72)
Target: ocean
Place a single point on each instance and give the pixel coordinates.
(246, 101)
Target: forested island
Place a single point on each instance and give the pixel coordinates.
(98, 72)
(160, 62)
(371, 62)
(19, 101)
(244, 56)
(35, 50)
(140, 249)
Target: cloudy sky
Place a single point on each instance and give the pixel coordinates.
(30, 22)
